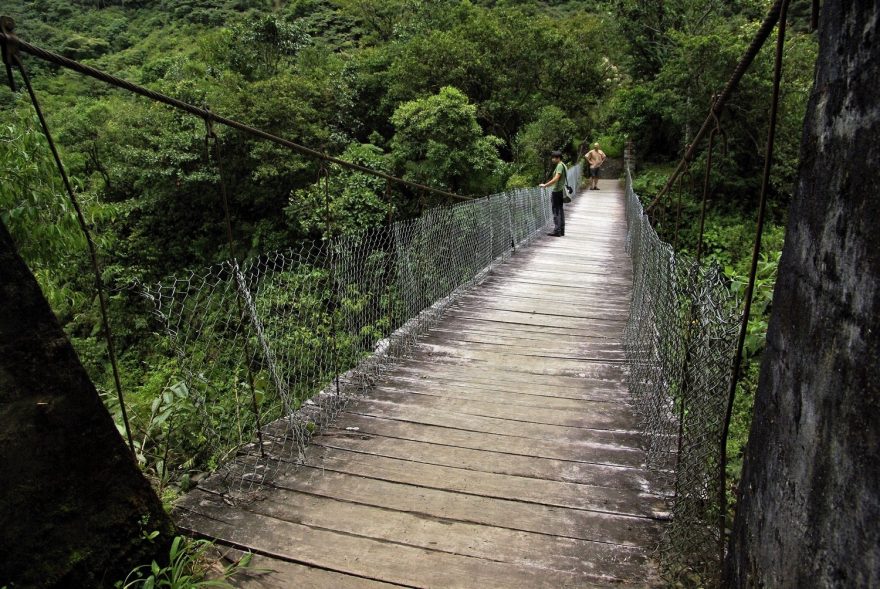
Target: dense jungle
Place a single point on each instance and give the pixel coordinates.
(464, 96)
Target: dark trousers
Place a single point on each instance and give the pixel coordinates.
(558, 213)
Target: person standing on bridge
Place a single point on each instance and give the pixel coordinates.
(595, 158)
(557, 192)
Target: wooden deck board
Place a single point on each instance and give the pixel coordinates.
(503, 453)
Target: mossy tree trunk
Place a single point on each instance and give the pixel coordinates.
(809, 512)
(73, 503)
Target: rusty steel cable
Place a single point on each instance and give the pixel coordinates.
(739, 71)
(10, 57)
(9, 39)
(211, 138)
(707, 179)
(685, 182)
(753, 269)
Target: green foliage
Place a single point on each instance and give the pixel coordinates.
(467, 96)
(551, 130)
(648, 26)
(257, 48)
(189, 566)
(33, 204)
(356, 201)
(650, 180)
(439, 143)
(681, 53)
(377, 20)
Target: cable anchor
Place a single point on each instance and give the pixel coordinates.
(9, 43)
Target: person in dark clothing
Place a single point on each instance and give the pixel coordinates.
(557, 192)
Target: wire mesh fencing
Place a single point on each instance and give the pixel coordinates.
(270, 349)
(680, 339)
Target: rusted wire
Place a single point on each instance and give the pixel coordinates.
(7, 37)
(8, 47)
(679, 339)
(389, 268)
(211, 137)
(707, 178)
(741, 67)
(13, 58)
(334, 298)
(753, 270)
(685, 182)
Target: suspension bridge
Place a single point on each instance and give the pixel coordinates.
(457, 399)
(503, 452)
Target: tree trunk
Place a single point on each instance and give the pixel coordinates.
(73, 505)
(809, 511)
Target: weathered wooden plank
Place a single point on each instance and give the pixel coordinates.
(420, 367)
(374, 559)
(608, 416)
(274, 573)
(533, 366)
(587, 390)
(561, 362)
(502, 330)
(541, 308)
(560, 494)
(503, 513)
(501, 544)
(477, 347)
(598, 475)
(557, 320)
(533, 286)
(496, 425)
(560, 277)
(497, 336)
(596, 453)
(504, 397)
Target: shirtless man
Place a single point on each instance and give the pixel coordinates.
(595, 158)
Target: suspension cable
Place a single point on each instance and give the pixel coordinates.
(390, 245)
(8, 37)
(718, 130)
(756, 251)
(685, 182)
(741, 67)
(211, 138)
(324, 175)
(11, 58)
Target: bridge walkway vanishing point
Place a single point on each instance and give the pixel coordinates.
(503, 453)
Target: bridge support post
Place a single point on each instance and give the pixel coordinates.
(74, 506)
(810, 491)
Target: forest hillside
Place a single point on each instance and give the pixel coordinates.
(467, 97)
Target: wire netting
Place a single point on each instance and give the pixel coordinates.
(272, 348)
(680, 340)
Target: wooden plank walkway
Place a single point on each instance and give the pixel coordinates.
(502, 454)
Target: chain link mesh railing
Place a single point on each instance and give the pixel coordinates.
(270, 349)
(680, 338)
